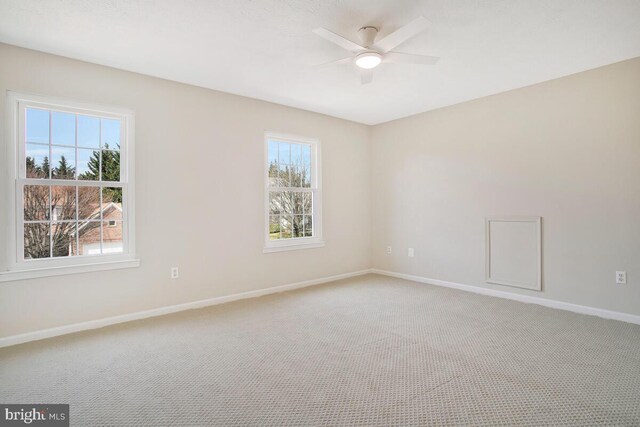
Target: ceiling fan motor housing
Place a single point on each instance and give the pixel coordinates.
(368, 35)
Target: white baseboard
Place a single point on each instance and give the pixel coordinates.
(99, 323)
(582, 309)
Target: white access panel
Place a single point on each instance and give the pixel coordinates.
(514, 251)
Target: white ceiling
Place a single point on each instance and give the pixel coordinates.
(265, 48)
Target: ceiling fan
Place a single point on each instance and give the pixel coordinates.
(369, 54)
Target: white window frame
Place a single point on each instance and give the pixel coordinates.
(15, 266)
(295, 243)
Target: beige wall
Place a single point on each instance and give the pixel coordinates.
(567, 150)
(199, 179)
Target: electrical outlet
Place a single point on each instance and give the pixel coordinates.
(388, 249)
(621, 277)
(410, 253)
(174, 272)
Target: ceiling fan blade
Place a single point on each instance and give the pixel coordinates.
(407, 58)
(402, 34)
(339, 40)
(366, 76)
(337, 62)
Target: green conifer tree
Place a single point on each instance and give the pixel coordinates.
(45, 167)
(110, 171)
(64, 171)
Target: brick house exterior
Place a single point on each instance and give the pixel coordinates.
(89, 231)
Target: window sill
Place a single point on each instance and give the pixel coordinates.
(8, 276)
(293, 247)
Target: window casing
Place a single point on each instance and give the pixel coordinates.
(70, 177)
(293, 197)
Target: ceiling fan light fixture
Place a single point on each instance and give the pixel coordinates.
(368, 60)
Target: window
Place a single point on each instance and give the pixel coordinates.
(72, 184)
(292, 197)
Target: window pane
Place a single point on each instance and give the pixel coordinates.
(112, 203)
(286, 226)
(89, 238)
(297, 201)
(37, 125)
(63, 239)
(88, 132)
(283, 175)
(272, 152)
(273, 174)
(284, 156)
(298, 226)
(286, 202)
(63, 128)
(296, 154)
(295, 176)
(275, 203)
(308, 226)
(306, 156)
(274, 227)
(306, 166)
(110, 165)
(307, 205)
(88, 164)
(112, 237)
(111, 134)
(36, 202)
(37, 161)
(63, 203)
(63, 163)
(305, 174)
(36, 241)
(88, 203)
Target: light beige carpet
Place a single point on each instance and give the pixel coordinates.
(365, 351)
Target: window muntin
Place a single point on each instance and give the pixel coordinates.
(71, 183)
(293, 194)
